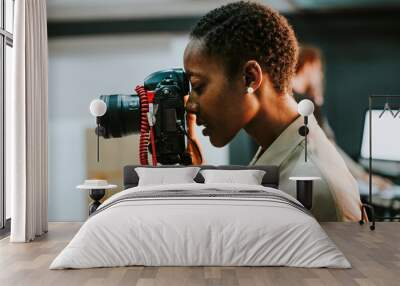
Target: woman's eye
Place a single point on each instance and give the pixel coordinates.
(198, 89)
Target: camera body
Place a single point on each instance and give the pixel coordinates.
(126, 114)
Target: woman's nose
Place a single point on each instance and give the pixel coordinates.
(191, 106)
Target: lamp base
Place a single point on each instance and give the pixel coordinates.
(303, 130)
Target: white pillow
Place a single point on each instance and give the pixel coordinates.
(162, 176)
(248, 177)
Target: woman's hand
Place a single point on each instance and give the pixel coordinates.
(380, 182)
(196, 153)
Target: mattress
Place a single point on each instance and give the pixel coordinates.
(201, 225)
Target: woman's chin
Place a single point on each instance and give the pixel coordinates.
(217, 141)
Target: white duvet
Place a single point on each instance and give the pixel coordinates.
(200, 231)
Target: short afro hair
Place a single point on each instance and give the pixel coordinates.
(243, 31)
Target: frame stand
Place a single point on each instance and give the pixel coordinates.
(369, 205)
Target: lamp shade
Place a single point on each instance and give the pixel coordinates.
(305, 107)
(98, 107)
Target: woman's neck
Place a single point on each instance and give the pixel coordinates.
(276, 113)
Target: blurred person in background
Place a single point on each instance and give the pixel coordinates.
(308, 83)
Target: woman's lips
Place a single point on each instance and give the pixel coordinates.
(201, 122)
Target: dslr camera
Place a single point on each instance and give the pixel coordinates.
(157, 112)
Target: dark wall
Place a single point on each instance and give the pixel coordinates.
(362, 55)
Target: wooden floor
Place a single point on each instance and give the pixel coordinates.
(374, 255)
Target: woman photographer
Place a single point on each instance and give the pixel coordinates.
(240, 62)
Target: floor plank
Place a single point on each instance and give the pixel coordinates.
(374, 255)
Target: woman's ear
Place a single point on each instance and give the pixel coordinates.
(252, 75)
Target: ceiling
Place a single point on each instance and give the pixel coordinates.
(119, 9)
(62, 10)
(342, 4)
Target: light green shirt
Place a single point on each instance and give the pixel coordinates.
(335, 196)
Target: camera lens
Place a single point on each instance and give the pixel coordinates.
(122, 117)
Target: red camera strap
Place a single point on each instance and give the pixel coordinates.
(145, 97)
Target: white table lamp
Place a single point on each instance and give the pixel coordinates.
(305, 108)
(98, 108)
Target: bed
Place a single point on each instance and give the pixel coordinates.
(201, 224)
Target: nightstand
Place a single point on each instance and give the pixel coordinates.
(97, 190)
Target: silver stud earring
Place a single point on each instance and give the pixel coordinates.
(250, 89)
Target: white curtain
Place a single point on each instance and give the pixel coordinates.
(27, 122)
